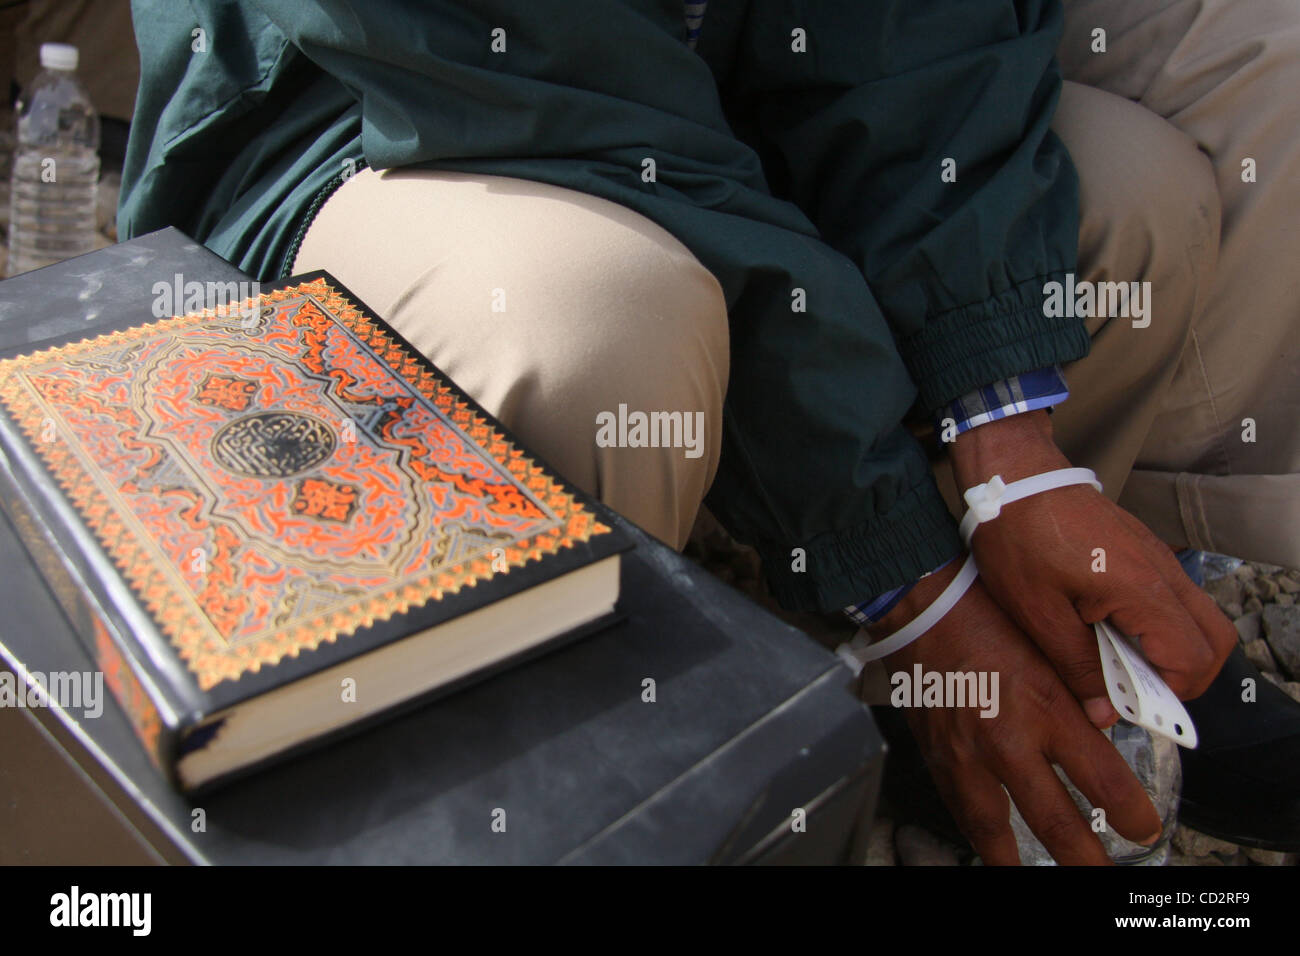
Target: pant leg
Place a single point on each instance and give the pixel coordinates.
(548, 306)
(1225, 73)
(1148, 213)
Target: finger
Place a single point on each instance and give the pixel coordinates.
(1068, 642)
(1051, 814)
(1071, 646)
(1101, 712)
(982, 810)
(1149, 611)
(1215, 627)
(1214, 624)
(1094, 766)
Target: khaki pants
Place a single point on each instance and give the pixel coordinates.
(604, 307)
(549, 307)
(1220, 78)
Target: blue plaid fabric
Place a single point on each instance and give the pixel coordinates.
(874, 610)
(1041, 388)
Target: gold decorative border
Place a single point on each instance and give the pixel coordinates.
(207, 655)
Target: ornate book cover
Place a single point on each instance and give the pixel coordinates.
(242, 497)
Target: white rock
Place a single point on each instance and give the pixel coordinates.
(1249, 627)
(1271, 857)
(880, 844)
(1226, 590)
(1178, 859)
(917, 847)
(1282, 630)
(1257, 653)
(1194, 843)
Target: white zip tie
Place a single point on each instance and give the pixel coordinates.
(859, 651)
(986, 500)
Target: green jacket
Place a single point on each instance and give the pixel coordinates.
(780, 169)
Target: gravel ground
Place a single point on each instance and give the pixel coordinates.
(1262, 600)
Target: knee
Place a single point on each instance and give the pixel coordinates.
(634, 381)
(1149, 203)
(612, 357)
(645, 327)
(1138, 174)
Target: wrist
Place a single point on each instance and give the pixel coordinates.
(1014, 447)
(921, 596)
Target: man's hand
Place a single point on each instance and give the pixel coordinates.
(1037, 560)
(1038, 723)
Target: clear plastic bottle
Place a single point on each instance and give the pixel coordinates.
(55, 167)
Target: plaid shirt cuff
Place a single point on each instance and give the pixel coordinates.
(1041, 388)
(873, 611)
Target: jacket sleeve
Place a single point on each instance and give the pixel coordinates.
(916, 137)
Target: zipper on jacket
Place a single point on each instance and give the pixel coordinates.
(326, 191)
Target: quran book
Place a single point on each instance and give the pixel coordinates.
(275, 521)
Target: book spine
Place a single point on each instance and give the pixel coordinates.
(82, 581)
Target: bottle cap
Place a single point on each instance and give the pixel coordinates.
(59, 56)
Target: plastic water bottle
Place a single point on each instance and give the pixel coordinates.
(55, 168)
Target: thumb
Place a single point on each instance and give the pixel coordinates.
(1168, 638)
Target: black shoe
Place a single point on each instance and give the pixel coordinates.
(1242, 782)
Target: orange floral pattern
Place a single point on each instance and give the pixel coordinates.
(267, 490)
